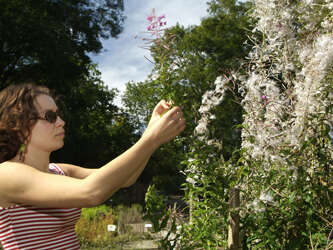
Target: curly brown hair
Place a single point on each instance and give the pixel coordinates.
(18, 114)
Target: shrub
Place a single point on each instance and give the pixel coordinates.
(92, 226)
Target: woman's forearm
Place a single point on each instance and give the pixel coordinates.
(81, 173)
(135, 176)
(108, 179)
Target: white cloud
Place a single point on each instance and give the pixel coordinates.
(123, 60)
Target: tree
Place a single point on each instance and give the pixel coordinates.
(49, 40)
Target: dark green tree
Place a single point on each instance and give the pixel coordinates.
(49, 40)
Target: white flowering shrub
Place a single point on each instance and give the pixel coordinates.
(286, 86)
(288, 190)
(284, 168)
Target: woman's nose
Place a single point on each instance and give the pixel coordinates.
(60, 122)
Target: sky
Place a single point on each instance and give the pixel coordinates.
(122, 59)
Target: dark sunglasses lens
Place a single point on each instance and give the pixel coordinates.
(51, 116)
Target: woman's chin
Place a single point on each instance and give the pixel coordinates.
(59, 146)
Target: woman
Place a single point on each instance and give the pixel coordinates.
(40, 202)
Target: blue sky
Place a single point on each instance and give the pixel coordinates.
(122, 59)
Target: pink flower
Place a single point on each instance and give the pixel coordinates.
(150, 18)
(162, 23)
(264, 98)
(160, 18)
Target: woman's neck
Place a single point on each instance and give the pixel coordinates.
(38, 160)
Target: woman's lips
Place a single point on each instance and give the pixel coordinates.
(61, 134)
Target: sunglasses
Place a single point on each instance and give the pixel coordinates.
(51, 116)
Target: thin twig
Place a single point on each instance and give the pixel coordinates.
(277, 192)
(148, 59)
(311, 240)
(330, 223)
(328, 238)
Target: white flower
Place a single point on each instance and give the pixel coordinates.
(190, 159)
(256, 206)
(212, 117)
(330, 133)
(201, 128)
(308, 2)
(266, 197)
(190, 180)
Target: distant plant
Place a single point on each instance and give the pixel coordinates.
(162, 217)
(126, 215)
(92, 226)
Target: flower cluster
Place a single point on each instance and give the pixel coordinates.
(155, 27)
(287, 76)
(155, 22)
(210, 99)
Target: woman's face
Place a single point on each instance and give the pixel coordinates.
(46, 136)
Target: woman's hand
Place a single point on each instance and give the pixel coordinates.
(162, 129)
(161, 108)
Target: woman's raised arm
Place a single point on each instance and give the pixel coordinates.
(21, 184)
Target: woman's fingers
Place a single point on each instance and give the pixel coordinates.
(173, 112)
(161, 107)
(168, 126)
(176, 119)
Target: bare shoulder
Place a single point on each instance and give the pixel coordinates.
(23, 184)
(13, 177)
(9, 167)
(12, 173)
